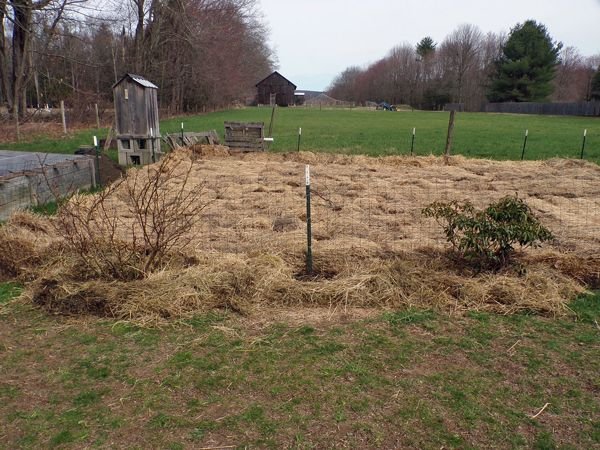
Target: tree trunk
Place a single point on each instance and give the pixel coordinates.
(5, 85)
(139, 35)
(22, 18)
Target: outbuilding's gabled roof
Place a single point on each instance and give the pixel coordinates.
(276, 73)
(138, 79)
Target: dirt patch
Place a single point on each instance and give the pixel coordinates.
(369, 236)
(109, 169)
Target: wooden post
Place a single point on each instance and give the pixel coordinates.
(62, 114)
(272, 120)
(448, 149)
(97, 116)
(108, 138)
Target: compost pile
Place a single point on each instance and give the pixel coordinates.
(244, 244)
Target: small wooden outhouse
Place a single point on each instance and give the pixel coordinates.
(136, 120)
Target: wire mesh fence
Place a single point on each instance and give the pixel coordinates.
(258, 202)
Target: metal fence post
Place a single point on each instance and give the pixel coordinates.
(309, 258)
(524, 145)
(583, 143)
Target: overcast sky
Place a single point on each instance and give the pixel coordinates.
(317, 39)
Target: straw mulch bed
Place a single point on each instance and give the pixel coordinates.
(372, 246)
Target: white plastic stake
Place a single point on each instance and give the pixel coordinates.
(307, 174)
(151, 132)
(300, 131)
(526, 132)
(414, 131)
(182, 125)
(585, 133)
(97, 151)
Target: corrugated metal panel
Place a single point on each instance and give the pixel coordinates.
(138, 79)
(143, 81)
(12, 162)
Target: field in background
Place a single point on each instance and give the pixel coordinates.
(359, 131)
(496, 136)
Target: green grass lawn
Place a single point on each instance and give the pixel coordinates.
(405, 379)
(498, 136)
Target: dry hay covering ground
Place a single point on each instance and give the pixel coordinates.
(372, 246)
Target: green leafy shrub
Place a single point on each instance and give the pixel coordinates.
(487, 237)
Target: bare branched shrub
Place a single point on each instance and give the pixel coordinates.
(91, 229)
(165, 208)
(132, 227)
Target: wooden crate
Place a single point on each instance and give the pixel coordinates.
(245, 136)
(174, 140)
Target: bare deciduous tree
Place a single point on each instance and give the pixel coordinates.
(461, 56)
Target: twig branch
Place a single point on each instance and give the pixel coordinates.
(540, 411)
(513, 346)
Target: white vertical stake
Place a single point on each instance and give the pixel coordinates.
(309, 258)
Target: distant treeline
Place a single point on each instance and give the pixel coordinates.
(554, 109)
(549, 109)
(462, 67)
(201, 53)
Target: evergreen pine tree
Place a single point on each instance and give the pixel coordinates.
(527, 66)
(425, 46)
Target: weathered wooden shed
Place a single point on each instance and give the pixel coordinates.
(136, 120)
(277, 85)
